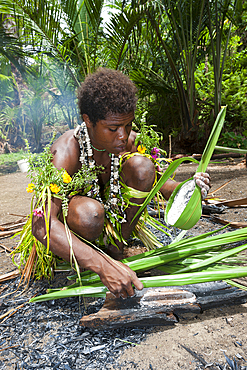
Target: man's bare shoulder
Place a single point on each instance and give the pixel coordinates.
(66, 152)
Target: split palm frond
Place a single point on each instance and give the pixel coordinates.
(187, 221)
(192, 211)
(198, 259)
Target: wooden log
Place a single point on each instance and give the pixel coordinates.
(11, 226)
(152, 306)
(4, 234)
(233, 224)
(9, 275)
(233, 202)
(216, 293)
(162, 306)
(5, 248)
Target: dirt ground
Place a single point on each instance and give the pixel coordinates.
(211, 334)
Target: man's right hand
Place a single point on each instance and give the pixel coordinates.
(118, 278)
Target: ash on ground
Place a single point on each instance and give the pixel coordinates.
(47, 335)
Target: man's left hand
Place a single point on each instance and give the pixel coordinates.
(203, 180)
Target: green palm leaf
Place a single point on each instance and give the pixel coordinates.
(169, 171)
(156, 281)
(60, 29)
(193, 252)
(193, 209)
(212, 141)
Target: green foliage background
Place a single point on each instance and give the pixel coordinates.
(186, 57)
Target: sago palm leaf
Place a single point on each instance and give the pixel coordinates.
(156, 281)
(226, 149)
(212, 140)
(195, 247)
(191, 213)
(169, 171)
(151, 82)
(60, 29)
(186, 250)
(119, 30)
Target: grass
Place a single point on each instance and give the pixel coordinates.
(12, 158)
(8, 162)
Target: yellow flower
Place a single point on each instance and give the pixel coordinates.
(54, 188)
(66, 177)
(141, 149)
(30, 188)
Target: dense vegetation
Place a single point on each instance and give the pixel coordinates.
(187, 57)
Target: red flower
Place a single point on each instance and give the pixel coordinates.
(38, 212)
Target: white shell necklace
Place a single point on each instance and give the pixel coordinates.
(112, 205)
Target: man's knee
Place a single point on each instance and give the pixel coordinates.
(139, 172)
(86, 217)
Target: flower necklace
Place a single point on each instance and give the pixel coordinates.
(86, 158)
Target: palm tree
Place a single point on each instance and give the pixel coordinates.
(165, 41)
(161, 38)
(64, 37)
(221, 15)
(158, 43)
(69, 31)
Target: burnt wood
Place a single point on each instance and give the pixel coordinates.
(162, 306)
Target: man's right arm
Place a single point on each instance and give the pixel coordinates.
(116, 276)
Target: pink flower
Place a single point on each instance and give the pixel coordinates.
(155, 153)
(38, 212)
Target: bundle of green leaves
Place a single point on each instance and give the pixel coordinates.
(46, 182)
(45, 176)
(147, 139)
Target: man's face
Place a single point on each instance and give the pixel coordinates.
(111, 133)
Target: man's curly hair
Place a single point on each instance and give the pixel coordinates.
(104, 92)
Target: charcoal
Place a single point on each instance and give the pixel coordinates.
(48, 336)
